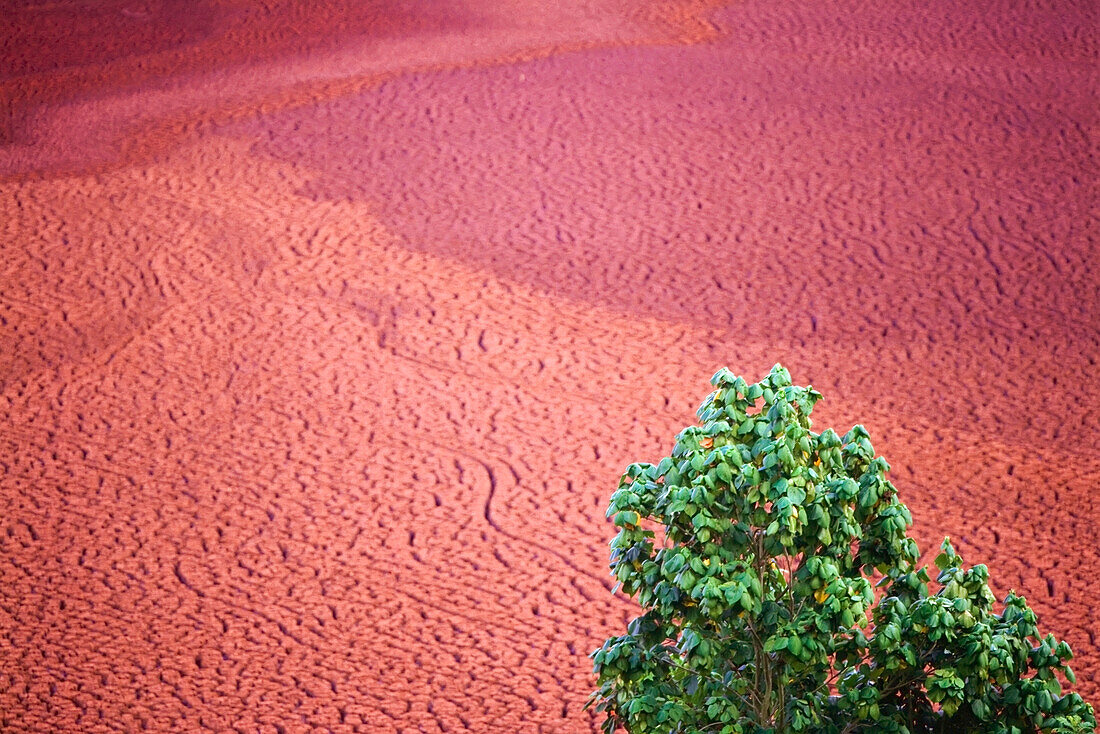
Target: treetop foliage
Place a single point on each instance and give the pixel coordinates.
(783, 593)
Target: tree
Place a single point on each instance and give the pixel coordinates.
(760, 607)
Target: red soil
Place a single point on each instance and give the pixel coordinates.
(327, 328)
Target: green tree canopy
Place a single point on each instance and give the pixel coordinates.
(760, 607)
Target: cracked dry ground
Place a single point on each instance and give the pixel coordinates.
(326, 329)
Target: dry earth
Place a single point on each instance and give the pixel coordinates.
(326, 328)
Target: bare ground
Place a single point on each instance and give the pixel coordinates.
(326, 332)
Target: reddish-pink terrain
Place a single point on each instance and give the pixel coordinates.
(327, 328)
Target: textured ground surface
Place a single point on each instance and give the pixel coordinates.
(326, 328)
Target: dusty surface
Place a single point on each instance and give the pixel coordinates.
(325, 334)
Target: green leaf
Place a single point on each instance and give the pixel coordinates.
(626, 518)
(747, 601)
